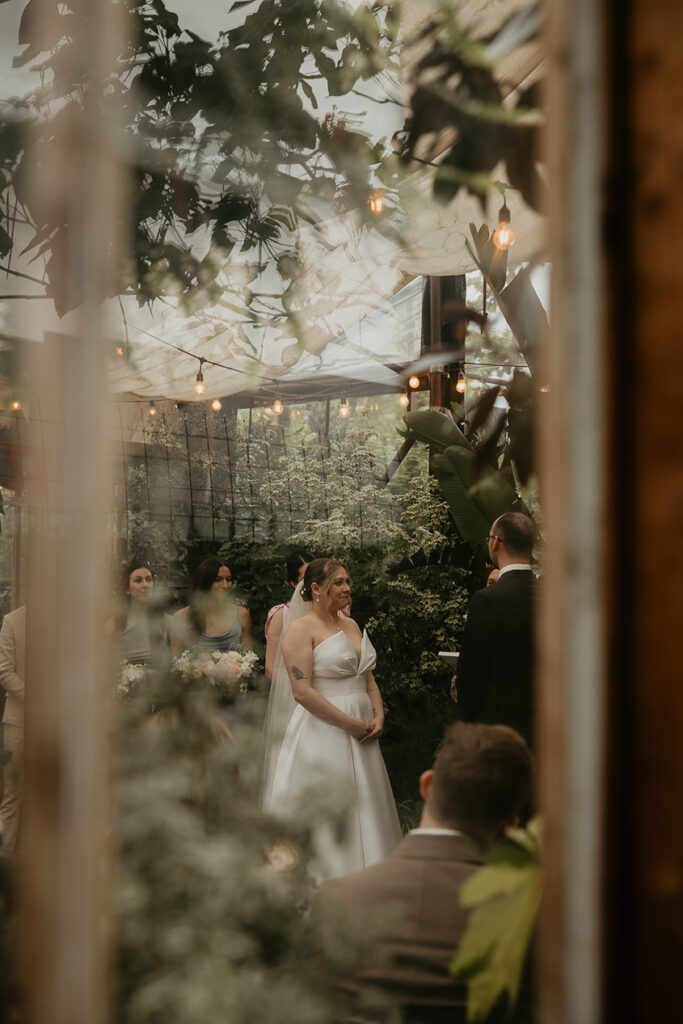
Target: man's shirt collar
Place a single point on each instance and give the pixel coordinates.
(513, 568)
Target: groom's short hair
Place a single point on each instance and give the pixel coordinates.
(482, 776)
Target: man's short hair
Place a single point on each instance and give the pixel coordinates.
(517, 532)
(482, 776)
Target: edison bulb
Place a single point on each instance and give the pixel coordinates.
(377, 201)
(503, 237)
(216, 405)
(278, 407)
(414, 382)
(404, 400)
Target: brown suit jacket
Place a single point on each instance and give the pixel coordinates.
(13, 665)
(412, 898)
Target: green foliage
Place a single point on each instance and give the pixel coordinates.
(453, 85)
(230, 153)
(476, 495)
(521, 307)
(504, 897)
(410, 617)
(207, 891)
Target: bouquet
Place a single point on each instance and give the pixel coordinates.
(130, 679)
(228, 671)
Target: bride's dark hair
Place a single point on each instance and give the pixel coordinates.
(320, 571)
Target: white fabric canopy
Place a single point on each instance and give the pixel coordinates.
(349, 271)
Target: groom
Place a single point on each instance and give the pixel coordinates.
(495, 670)
(477, 788)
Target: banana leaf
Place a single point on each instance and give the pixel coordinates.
(474, 506)
(436, 429)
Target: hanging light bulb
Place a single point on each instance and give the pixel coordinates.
(460, 384)
(278, 407)
(344, 410)
(404, 400)
(544, 389)
(377, 200)
(216, 405)
(503, 236)
(16, 405)
(200, 387)
(119, 350)
(152, 409)
(414, 382)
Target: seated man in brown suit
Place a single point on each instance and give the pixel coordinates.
(479, 783)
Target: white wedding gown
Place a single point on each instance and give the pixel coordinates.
(313, 751)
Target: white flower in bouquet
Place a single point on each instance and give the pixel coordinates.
(129, 678)
(189, 667)
(229, 670)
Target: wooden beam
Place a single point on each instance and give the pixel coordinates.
(648, 304)
(572, 619)
(64, 893)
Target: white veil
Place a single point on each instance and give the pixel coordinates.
(281, 703)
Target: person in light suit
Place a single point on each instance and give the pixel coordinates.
(12, 670)
(475, 791)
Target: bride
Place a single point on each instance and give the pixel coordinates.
(327, 723)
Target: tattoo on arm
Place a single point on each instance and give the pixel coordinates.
(296, 672)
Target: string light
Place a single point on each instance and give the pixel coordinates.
(414, 382)
(152, 409)
(278, 407)
(200, 387)
(404, 400)
(16, 405)
(344, 410)
(503, 236)
(460, 384)
(377, 201)
(216, 405)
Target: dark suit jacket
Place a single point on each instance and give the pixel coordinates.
(412, 899)
(495, 669)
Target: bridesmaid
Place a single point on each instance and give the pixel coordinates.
(212, 621)
(296, 567)
(141, 633)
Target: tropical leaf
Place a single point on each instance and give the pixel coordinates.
(492, 262)
(5, 242)
(495, 492)
(504, 897)
(521, 307)
(483, 408)
(436, 429)
(473, 506)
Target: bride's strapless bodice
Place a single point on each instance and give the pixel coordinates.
(337, 669)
